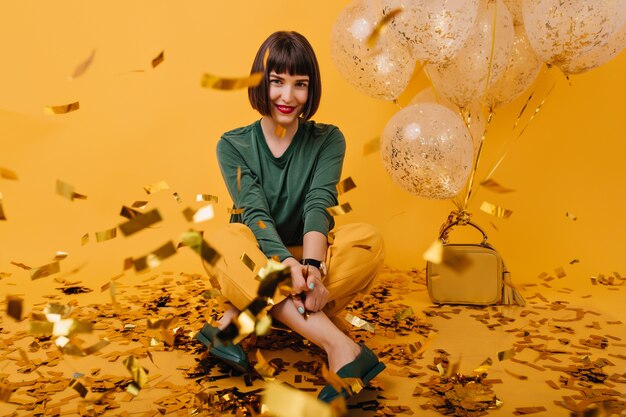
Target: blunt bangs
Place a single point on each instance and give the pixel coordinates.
(290, 53)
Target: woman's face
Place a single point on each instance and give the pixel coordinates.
(288, 96)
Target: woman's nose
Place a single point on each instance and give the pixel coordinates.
(287, 93)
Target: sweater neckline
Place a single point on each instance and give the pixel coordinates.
(290, 148)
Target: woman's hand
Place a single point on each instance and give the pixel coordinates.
(316, 292)
(298, 283)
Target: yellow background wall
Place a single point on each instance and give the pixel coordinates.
(136, 128)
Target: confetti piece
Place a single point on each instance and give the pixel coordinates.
(14, 307)
(45, 271)
(5, 393)
(138, 373)
(203, 214)
(506, 354)
(261, 224)
(129, 212)
(177, 198)
(280, 131)
(63, 109)
(560, 272)
(371, 146)
(7, 174)
(156, 187)
(238, 179)
(21, 265)
(345, 186)
(247, 261)
(340, 209)
(67, 190)
(84, 239)
(223, 83)
(381, 27)
(494, 186)
(60, 255)
(105, 235)
(153, 259)
(140, 222)
(79, 388)
(484, 367)
(514, 375)
(282, 401)
(140, 204)
(528, 410)
(264, 368)
(83, 66)
(359, 323)
(206, 197)
(434, 253)
(236, 211)
(195, 241)
(571, 216)
(2, 215)
(159, 58)
(495, 210)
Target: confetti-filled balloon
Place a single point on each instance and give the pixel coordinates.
(427, 150)
(560, 31)
(382, 71)
(523, 67)
(599, 56)
(434, 30)
(464, 79)
(515, 8)
(473, 116)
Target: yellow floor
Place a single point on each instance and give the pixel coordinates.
(558, 330)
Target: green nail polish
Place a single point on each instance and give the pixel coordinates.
(311, 285)
(301, 310)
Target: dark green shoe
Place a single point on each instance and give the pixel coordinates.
(231, 354)
(366, 366)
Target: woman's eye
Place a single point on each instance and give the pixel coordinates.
(275, 81)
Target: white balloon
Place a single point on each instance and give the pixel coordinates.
(464, 79)
(427, 150)
(597, 57)
(562, 31)
(381, 72)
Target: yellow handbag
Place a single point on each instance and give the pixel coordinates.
(472, 274)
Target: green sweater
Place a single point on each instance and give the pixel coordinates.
(288, 194)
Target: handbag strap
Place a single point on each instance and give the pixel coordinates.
(443, 236)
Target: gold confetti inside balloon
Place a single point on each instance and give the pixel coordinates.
(427, 150)
(515, 8)
(434, 30)
(521, 71)
(381, 72)
(560, 31)
(464, 78)
(473, 116)
(599, 56)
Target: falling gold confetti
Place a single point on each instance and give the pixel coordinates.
(194, 240)
(156, 61)
(140, 222)
(129, 213)
(60, 255)
(495, 210)
(45, 271)
(188, 213)
(21, 265)
(156, 187)
(280, 131)
(434, 253)
(506, 354)
(203, 214)
(345, 186)
(223, 83)
(2, 215)
(574, 261)
(5, 393)
(177, 198)
(484, 367)
(571, 216)
(138, 373)
(371, 146)
(67, 190)
(381, 27)
(494, 186)
(83, 66)
(266, 56)
(154, 258)
(7, 174)
(263, 367)
(340, 209)
(140, 204)
(560, 272)
(84, 239)
(235, 211)
(79, 388)
(206, 197)
(261, 224)
(238, 179)
(14, 307)
(65, 108)
(106, 234)
(359, 322)
(247, 261)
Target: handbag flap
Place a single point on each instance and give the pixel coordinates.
(472, 275)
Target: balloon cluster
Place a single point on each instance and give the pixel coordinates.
(478, 54)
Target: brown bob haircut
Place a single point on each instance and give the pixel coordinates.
(291, 53)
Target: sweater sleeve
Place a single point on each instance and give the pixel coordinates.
(322, 192)
(249, 195)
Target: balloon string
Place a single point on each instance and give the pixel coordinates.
(491, 53)
(477, 161)
(507, 144)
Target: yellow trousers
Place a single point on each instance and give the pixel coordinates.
(353, 259)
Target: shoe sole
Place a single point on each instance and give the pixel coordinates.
(378, 368)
